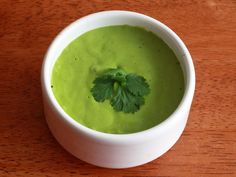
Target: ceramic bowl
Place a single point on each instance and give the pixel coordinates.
(114, 150)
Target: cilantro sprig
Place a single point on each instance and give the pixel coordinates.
(125, 91)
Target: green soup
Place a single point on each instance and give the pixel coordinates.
(135, 50)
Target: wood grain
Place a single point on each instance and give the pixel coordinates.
(208, 145)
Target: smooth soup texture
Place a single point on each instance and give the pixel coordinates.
(136, 51)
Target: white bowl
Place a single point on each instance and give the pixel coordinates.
(114, 150)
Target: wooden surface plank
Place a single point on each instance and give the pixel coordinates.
(208, 145)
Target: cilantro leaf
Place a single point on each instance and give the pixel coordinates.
(137, 85)
(103, 88)
(126, 101)
(125, 91)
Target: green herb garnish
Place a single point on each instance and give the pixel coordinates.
(125, 91)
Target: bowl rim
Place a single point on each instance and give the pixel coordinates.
(130, 137)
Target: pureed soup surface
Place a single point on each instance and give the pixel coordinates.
(136, 51)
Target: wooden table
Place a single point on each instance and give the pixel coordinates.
(208, 144)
